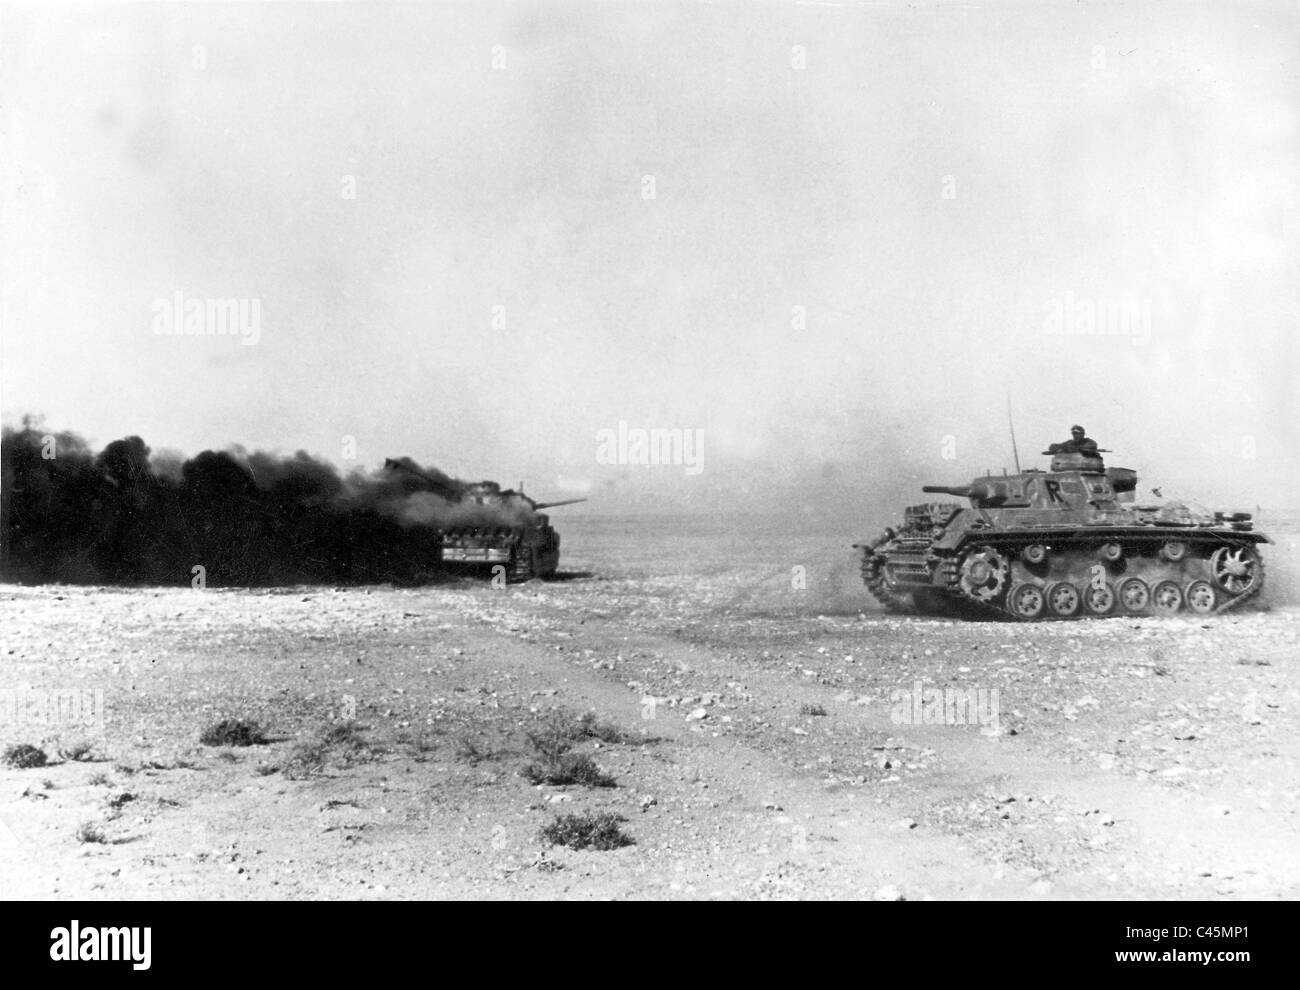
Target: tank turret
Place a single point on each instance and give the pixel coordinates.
(1063, 543)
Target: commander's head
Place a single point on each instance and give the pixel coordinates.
(1076, 432)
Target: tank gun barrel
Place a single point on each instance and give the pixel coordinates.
(552, 505)
(979, 492)
(961, 491)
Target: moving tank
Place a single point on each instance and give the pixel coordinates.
(491, 526)
(1064, 543)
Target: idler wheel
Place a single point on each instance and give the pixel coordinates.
(1235, 569)
(1034, 554)
(1174, 551)
(1166, 598)
(1099, 599)
(1026, 601)
(1200, 597)
(1134, 595)
(1063, 599)
(1111, 553)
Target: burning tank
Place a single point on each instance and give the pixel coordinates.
(488, 525)
(1063, 543)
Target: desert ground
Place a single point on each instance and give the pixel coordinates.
(746, 710)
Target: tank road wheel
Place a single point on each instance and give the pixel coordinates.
(984, 574)
(1111, 553)
(1099, 599)
(1166, 598)
(1235, 569)
(1026, 601)
(1174, 551)
(1134, 595)
(1063, 599)
(1034, 554)
(1200, 597)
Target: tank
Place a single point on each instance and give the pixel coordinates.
(488, 526)
(1064, 543)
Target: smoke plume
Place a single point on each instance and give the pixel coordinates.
(120, 516)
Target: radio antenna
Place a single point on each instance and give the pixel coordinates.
(1011, 423)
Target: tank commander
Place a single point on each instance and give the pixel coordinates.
(1078, 443)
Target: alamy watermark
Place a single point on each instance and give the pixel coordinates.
(920, 705)
(1079, 316)
(193, 316)
(678, 447)
(125, 944)
(58, 708)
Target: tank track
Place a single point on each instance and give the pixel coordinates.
(522, 564)
(1076, 567)
(874, 578)
(527, 563)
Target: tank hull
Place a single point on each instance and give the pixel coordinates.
(535, 554)
(1047, 572)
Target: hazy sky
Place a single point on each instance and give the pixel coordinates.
(866, 221)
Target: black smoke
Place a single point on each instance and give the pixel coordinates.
(122, 516)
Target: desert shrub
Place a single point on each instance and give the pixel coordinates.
(549, 741)
(233, 732)
(305, 760)
(588, 831)
(346, 744)
(552, 741)
(24, 756)
(90, 832)
(80, 751)
(559, 733)
(590, 727)
(339, 745)
(568, 768)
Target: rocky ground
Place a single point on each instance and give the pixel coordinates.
(756, 719)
